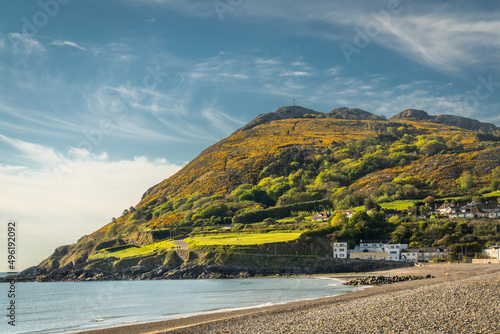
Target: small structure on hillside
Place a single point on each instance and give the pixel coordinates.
(321, 216)
(348, 213)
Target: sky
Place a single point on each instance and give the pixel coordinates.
(100, 100)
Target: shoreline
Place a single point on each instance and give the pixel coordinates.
(443, 275)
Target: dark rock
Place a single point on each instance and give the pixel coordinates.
(414, 114)
(464, 123)
(379, 280)
(289, 112)
(354, 114)
(451, 120)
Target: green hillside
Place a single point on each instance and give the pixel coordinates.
(274, 174)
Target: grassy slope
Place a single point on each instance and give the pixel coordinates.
(133, 251)
(243, 239)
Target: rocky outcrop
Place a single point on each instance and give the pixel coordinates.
(464, 123)
(451, 120)
(413, 114)
(282, 113)
(354, 114)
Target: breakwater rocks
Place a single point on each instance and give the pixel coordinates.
(380, 280)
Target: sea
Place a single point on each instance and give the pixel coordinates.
(69, 307)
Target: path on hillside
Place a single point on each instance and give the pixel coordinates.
(181, 244)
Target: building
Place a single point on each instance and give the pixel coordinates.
(340, 250)
(368, 255)
(491, 209)
(446, 209)
(493, 252)
(409, 254)
(348, 213)
(471, 210)
(320, 216)
(424, 254)
(394, 251)
(377, 249)
(430, 253)
(392, 213)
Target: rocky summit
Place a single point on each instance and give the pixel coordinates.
(452, 120)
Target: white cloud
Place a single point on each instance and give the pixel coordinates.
(24, 44)
(296, 74)
(54, 209)
(334, 70)
(68, 43)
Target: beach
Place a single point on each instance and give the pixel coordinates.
(461, 298)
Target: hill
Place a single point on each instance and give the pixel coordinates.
(289, 164)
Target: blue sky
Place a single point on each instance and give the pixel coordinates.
(99, 100)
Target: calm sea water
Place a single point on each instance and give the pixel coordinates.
(75, 306)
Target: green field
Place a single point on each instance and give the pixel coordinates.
(492, 194)
(242, 239)
(398, 205)
(133, 251)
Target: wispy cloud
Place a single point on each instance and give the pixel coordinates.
(445, 41)
(23, 44)
(221, 120)
(68, 43)
(334, 70)
(296, 74)
(445, 37)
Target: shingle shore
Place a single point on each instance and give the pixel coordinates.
(461, 298)
(465, 306)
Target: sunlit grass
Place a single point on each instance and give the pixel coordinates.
(398, 205)
(243, 239)
(134, 251)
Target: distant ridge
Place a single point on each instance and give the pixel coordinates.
(290, 112)
(451, 120)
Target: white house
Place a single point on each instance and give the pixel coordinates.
(340, 250)
(424, 254)
(493, 252)
(370, 248)
(320, 216)
(348, 213)
(409, 254)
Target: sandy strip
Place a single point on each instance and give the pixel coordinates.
(299, 316)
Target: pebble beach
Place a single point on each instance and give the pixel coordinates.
(461, 298)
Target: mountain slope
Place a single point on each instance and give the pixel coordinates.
(295, 159)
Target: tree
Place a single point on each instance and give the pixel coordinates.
(429, 200)
(496, 173)
(495, 185)
(465, 182)
(476, 199)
